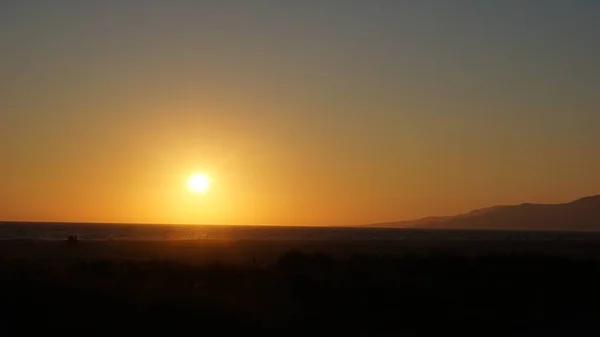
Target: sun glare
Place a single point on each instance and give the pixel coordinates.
(198, 183)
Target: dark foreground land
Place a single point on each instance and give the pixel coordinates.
(298, 289)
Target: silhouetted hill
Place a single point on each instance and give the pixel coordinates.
(581, 214)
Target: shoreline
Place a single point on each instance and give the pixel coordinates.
(267, 251)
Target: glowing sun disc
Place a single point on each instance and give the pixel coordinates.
(198, 183)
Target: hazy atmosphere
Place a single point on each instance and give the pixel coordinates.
(299, 112)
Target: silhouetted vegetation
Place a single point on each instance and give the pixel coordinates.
(303, 294)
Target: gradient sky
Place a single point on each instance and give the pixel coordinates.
(303, 112)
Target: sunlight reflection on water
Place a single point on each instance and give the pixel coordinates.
(59, 231)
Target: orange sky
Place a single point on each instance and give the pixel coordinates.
(307, 114)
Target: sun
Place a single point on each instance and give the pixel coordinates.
(198, 183)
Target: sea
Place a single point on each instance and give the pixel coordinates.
(100, 231)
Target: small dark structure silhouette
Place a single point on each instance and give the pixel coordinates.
(72, 239)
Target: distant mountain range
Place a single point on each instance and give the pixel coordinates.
(581, 214)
